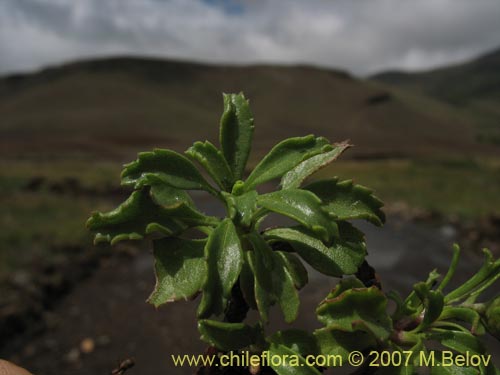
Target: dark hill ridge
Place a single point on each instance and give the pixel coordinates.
(458, 84)
(116, 107)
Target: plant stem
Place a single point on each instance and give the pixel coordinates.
(452, 269)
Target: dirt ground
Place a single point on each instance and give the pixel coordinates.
(105, 318)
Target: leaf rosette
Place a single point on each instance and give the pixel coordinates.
(265, 263)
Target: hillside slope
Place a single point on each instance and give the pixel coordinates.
(113, 108)
(472, 87)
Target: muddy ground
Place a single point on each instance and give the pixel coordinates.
(105, 319)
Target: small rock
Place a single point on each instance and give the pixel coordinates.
(448, 231)
(21, 279)
(87, 345)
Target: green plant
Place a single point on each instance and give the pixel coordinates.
(237, 264)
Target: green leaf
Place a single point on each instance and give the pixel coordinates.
(433, 302)
(236, 132)
(346, 201)
(357, 309)
(344, 285)
(413, 301)
(297, 340)
(294, 178)
(302, 206)
(229, 336)
(164, 166)
(284, 287)
(290, 362)
(334, 342)
(402, 309)
(241, 208)
(475, 285)
(295, 267)
(433, 307)
(180, 269)
(446, 367)
(396, 370)
(224, 257)
(214, 163)
(460, 341)
(285, 156)
(169, 197)
(492, 317)
(451, 269)
(273, 281)
(264, 297)
(179, 207)
(247, 285)
(342, 257)
(464, 314)
(133, 219)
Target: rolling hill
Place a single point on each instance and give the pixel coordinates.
(64, 131)
(472, 87)
(112, 108)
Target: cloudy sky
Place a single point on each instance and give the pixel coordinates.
(362, 36)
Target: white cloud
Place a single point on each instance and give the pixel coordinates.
(361, 36)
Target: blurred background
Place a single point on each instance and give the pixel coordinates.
(86, 84)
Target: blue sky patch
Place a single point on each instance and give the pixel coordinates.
(229, 6)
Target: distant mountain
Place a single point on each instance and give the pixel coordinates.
(112, 108)
(473, 87)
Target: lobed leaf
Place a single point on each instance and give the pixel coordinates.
(492, 317)
(294, 177)
(133, 219)
(342, 257)
(302, 206)
(180, 207)
(335, 342)
(297, 340)
(357, 309)
(229, 336)
(180, 269)
(290, 362)
(346, 201)
(285, 156)
(345, 284)
(236, 132)
(273, 281)
(224, 258)
(164, 166)
(214, 163)
(169, 197)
